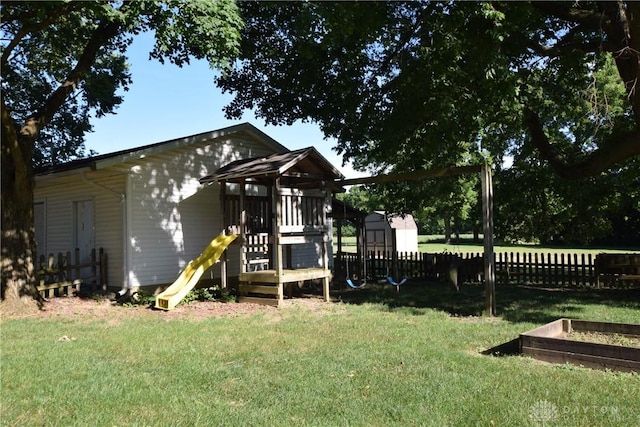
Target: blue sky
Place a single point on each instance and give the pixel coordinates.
(166, 102)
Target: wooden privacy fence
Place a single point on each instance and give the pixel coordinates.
(512, 268)
(63, 274)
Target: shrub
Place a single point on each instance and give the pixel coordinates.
(211, 293)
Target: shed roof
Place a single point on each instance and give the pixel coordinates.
(300, 168)
(397, 222)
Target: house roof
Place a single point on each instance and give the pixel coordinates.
(110, 159)
(300, 168)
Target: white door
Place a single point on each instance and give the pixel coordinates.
(84, 238)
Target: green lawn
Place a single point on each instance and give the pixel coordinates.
(375, 358)
(435, 244)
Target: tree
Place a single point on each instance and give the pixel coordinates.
(604, 209)
(360, 198)
(63, 62)
(408, 86)
(394, 79)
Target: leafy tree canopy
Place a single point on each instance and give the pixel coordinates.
(65, 62)
(420, 84)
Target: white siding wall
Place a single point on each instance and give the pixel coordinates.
(407, 240)
(59, 195)
(172, 217)
(380, 232)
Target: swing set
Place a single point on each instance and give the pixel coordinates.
(487, 221)
(364, 281)
(352, 280)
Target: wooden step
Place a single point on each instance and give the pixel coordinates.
(258, 289)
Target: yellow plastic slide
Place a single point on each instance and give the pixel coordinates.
(192, 273)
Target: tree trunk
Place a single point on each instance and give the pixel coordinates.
(19, 292)
(447, 229)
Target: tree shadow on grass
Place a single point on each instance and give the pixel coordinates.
(514, 303)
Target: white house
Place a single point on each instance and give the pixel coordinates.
(391, 232)
(145, 206)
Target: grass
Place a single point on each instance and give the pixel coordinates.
(376, 358)
(436, 244)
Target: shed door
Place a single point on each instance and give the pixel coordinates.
(84, 232)
(376, 240)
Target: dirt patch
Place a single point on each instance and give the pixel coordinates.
(103, 308)
(602, 338)
(96, 308)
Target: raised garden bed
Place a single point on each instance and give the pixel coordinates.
(600, 345)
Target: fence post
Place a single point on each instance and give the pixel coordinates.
(487, 228)
(103, 270)
(395, 259)
(94, 270)
(77, 263)
(67, 264)
(592, 272)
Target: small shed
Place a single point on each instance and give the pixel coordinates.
(391, 232)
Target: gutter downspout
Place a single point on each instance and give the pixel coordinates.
(125, 230)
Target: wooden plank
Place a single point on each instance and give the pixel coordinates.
(312, 193)
(487, 228)
(582, 347)
(258, 289)
(551, 329)
(304, 228)
(276, 227)
(590, 361)
(628, 277)
(593, 281)
(56, 285)
(412, 176)
(271, 276)
(303, 238)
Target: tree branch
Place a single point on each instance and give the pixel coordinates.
(562, 48)
(625, 35)
(103, 33)
(589, 19)
(66, 8)
(595, 163)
